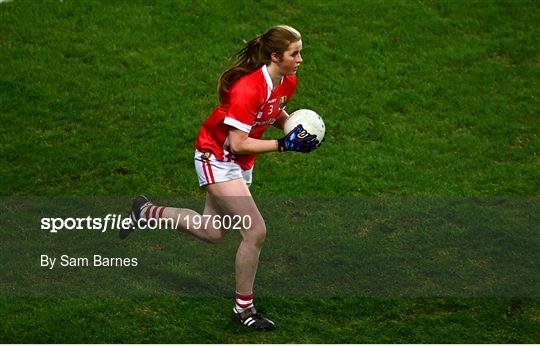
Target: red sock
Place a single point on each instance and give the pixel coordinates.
(243, 301)
(152, 212)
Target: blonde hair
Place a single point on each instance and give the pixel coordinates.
(255, 54)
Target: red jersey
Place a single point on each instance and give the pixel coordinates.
(252, 107)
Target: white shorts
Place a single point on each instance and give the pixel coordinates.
(211, 171)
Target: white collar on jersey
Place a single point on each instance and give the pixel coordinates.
(269, 81)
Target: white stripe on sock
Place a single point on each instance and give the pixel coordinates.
(241, 309)
(243, 302)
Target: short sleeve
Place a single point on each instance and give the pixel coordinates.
(243, 106)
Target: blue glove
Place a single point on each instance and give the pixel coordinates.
(298, 140)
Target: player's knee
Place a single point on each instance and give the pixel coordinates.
(256, 235)
(260, 237)
(216, 237)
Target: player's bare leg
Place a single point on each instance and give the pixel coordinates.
(195, 223)
(234, 198)
(201, 226)
(231, 198)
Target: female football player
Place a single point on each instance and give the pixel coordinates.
(253, 93)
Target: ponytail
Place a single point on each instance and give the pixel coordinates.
(248, 59)
(256, 53)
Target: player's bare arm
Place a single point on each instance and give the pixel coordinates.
(241, 143)
(280, 121)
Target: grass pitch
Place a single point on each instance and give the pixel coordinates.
(423, 98)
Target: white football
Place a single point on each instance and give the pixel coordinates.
(311, 122)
